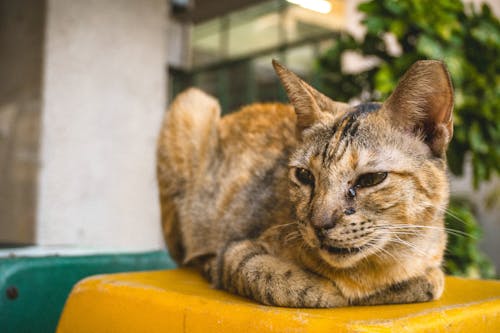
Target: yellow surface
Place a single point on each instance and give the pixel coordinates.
(181, 301)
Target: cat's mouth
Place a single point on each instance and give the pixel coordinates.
(343, 250)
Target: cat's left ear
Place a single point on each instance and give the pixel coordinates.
(423, 103)
(310, 105)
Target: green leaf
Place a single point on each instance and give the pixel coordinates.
(384, 80)
(398, 28)
(476, 139)
(486, 33)
(430, 47)
(368, 7)
(395, 7)
(374, 24)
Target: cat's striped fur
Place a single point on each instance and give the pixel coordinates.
(314, 204)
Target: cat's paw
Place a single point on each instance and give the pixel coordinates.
(423, 288)
(435, 280)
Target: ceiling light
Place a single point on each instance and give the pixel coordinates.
(320, 6)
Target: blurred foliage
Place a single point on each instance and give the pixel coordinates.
(462, 257)
(468, 41)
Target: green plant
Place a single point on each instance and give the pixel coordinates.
(462, 257)
(468, 41)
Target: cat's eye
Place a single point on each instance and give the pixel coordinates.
(304, 176)
(370, 179)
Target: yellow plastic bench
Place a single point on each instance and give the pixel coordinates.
(181, 301)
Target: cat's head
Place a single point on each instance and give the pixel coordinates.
(371, 179)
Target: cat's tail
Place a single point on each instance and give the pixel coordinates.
(186, 146)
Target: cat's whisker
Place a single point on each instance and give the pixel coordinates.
(283, 225)
(400, 231)
(412, 248)
(376, 254)
(292, 236)
(404, 255)
(454, 216)
(410, 226)
(409, 233)
(379, 249)
(409, 245)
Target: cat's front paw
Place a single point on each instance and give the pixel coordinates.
(426, 288)
(435, 280)
(423, 288)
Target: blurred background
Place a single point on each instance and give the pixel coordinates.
(84, 85)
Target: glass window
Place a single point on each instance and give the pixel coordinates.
(254, 29)
(267, 84)
(232, 54)
(206, 42)
(300, 59)
(261, 27)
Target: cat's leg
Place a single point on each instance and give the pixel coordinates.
(424, 288)
(246, 268)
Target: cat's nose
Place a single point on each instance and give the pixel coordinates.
(325, 221)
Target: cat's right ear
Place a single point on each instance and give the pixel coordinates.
(423, 103)
(309, 103)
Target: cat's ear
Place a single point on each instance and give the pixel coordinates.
(423, 103)
(310, 105)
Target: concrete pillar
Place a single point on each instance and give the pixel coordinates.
(104, 94)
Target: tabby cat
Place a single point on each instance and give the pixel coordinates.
(313, 204)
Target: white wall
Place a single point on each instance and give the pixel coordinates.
(103, 99)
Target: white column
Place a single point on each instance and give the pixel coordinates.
(104, 94)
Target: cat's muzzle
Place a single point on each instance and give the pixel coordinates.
(342, 242)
